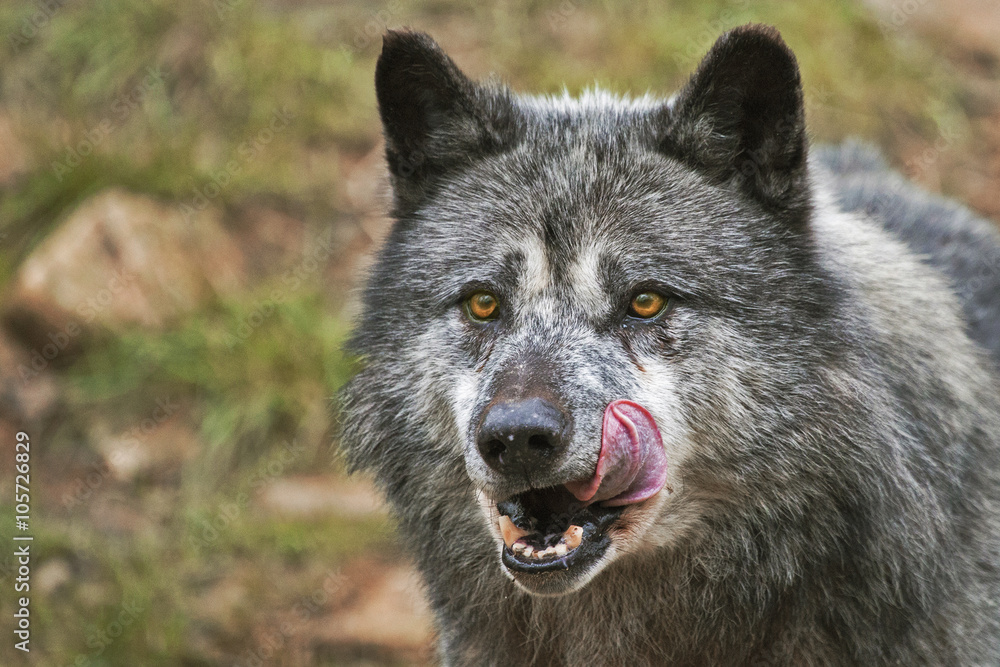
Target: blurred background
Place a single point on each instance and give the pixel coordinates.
(189, 193)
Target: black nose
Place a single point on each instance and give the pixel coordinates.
(522, 436)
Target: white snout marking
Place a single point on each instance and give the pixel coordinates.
(463, 399)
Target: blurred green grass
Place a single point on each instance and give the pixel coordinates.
(227, 68)
(249, 391)
(226, 71)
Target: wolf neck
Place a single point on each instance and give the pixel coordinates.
(619, 618)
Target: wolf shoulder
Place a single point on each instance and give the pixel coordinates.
(899, 230)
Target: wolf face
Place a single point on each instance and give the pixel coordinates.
(627, 355)
(617, 262)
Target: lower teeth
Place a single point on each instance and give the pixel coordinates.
(513, 538)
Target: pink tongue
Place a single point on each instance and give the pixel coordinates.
(632, 465)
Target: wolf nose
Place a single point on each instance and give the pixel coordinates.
(522, 435)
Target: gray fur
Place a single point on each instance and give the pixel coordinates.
(964, 247)
(832, 428)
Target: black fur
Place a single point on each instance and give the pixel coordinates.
(741, 117)
(436, 120)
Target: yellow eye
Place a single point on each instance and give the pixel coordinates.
(481, 306)
(647, 305)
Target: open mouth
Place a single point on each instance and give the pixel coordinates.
(547, 530)
(570, 525)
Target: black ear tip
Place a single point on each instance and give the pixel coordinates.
(760, 31)
(756, 37)
(405, 40)
(405, 54)
(403, 51)
(749, 87)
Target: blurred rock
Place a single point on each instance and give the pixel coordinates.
(387, 615)
(52, 574)
(222, 602)
(156, 446)
(113, 513)
(121, 259)
(305, 496)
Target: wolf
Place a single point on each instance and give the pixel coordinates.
(648, 382)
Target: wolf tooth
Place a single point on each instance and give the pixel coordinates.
(809, 474)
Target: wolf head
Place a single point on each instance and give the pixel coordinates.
(595, 321)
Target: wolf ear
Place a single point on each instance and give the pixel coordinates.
(740, 117)
(435, 119)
